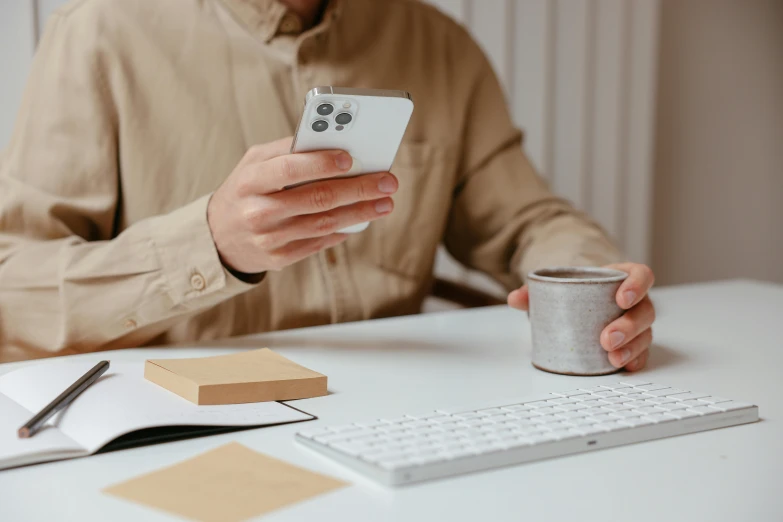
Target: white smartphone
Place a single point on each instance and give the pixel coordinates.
(366, 123)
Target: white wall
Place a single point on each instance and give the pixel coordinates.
(580, 78)
(719, 163)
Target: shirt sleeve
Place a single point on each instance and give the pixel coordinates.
(68, 281)
(504, 219)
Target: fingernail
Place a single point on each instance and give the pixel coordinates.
(387, 185)
(343, 161)
(383, 206)
(615, 339)
(625, 354)
(630, 297)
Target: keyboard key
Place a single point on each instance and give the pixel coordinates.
(714, 400)
(491, 411)
(659, 417)
(617, 386)
(683, 414)
(372, 424)
(649, 409)
(602, 417)
(661, 400)
(594, 411)
(688, 396)
(625, 414)
(584, 421)
(594, 402)
(334, 437)
(594, 389)
(349, 449)
(637, 404)
(517, 407)
(617, 407)
(572, 414)
(571, 393)
(414, 424)
(693, 403)
(469, 415)
(564, 434)
(732, 405)
(593, 429)
(572, 407)
(673, 406)
(547, 410)
(637, 421)
(636, 396)
(607, 393)
(616, 400)
(543, 437)
(704, 410)
(663, 393)
(561, 400)
(544, 419)
(651, 387)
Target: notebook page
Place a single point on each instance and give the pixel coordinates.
(122, 401)
(47, 444)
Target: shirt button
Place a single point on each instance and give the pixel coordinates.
(290, 24)
(130, 324)
(331, 258)
(198, 282)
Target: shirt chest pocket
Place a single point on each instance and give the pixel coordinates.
(406, 241)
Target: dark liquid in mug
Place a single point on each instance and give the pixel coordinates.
(574, 274)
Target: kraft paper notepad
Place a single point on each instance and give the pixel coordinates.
(253, 376)
(228, 484)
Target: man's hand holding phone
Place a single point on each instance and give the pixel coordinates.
(258, 226)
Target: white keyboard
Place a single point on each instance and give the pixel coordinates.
(452, 441)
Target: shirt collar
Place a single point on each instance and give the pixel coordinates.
(269, 18)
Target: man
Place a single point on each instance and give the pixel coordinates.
(140, 196)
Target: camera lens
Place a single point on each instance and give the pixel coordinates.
(320, 125)
(343, 118)
(325, 109)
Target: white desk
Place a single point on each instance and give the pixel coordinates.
(723, 338)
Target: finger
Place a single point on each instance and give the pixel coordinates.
(632, 323)
(638, 363)
(291, 169)
(266, 151)
(519, 299)
(298, 250)
(632, 350)
(639, 281)
(327, 195)
(325, 223)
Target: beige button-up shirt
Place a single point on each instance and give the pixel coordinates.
(136, 110)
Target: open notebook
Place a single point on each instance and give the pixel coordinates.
(121, 402)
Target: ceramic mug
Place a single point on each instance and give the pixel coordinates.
(569, 308)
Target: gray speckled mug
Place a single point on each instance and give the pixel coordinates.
(569, 307)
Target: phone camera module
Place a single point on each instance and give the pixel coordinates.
(343, 118)
(325, 109)
(320, 125)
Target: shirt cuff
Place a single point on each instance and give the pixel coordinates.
(189, 260)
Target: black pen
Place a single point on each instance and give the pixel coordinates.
(63, 400)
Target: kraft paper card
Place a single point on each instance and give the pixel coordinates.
(228, 484)
(253, 376)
